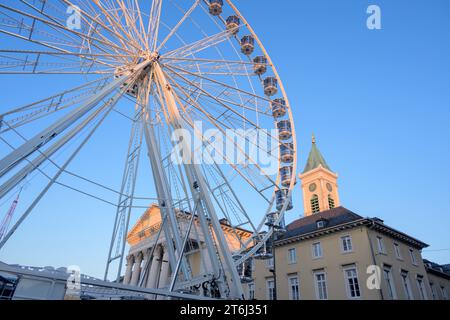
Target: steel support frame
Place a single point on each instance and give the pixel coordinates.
(111, 103)
(48, 134)
(129, 176)
(206, 210)
(171, 229)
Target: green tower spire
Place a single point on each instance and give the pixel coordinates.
(315, 158)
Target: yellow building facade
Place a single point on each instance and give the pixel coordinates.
(333, 253)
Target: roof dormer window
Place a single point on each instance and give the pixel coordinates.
(322, 223)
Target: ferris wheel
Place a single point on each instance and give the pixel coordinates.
(206, 110)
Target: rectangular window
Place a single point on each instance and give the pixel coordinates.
(352, 283)
(269, 263)
(406, 285)
(316, 250)
(380, 245)
(292, 256)
(251, 291)
(270, 289)
(444, 293)
(321, 285)
(433, 291)
(346, 244)
(294, 292)
(413, 257)
(398, 253)
(421, 287)
(390, 284)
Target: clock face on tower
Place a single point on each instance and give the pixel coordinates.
(329, 187)
(312, 187)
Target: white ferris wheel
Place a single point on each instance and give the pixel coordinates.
(164, 67)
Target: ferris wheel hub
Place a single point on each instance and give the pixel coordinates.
(154, 56)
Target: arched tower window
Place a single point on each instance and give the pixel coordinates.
(330, 201)
(315, 208)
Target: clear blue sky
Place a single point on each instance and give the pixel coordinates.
(378, 102)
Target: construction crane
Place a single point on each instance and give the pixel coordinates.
(7, 219)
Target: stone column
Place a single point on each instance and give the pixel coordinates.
(155, 268)
(130, 262)
(165, 270)
(137, 269)
(164, 278)
(146, 265)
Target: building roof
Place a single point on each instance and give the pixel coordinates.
(333, 218)
(437, 269)
(336, 220)
(315, 158)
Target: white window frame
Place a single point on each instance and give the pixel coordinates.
(421, 286)
(344, 243)
(412, 256)
(434, 293)
(398, 251)
(316, 284)
(269, 263)
(380, 244)
(251, 291)
(390, 283)
(406, 283)
(347, 281)
(268, 291)
(292, 259)
(444, 293)
(290, 286)
(313, 247)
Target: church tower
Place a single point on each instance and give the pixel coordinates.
(319, 184)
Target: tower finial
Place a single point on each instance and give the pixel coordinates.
(313, 139)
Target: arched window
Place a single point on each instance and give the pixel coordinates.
(315, 204)
(330, 201)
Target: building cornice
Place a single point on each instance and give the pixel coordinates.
(321, 232)
(381, 227)
(437, 273)
(373, 223)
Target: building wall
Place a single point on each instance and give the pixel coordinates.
(441, 285)
(333, 262)
(388, 258)
(364, 253)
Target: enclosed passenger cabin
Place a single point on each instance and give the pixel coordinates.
(264, 255)
(247, 45)
(284, 129)
(215, 7)
(286, 176)
(270, 86)
(278, 108)
(260, 65)
(287, 152)
(272, 219)
(233, 23)
(281, 198)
